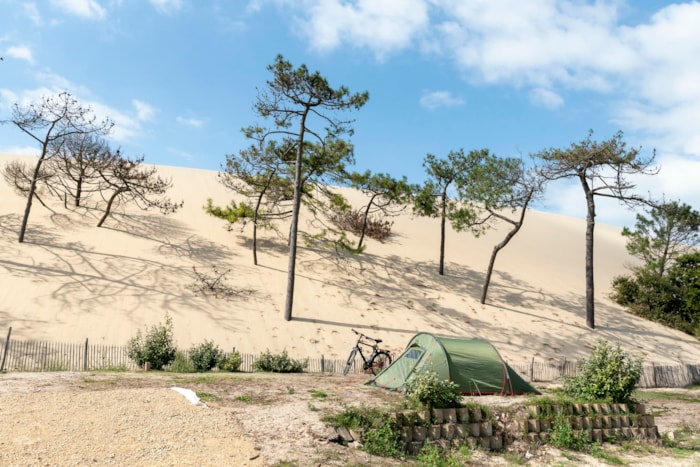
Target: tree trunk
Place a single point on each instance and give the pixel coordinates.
(78, 191)
(443, 221)
(109, 206)
(590, 227)
(364, 222)
(30, 195)
(499, 247)
(291, 268)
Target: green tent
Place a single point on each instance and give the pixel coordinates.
(473, 364)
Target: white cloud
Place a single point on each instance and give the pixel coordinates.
(381, 26)
(167, 6)
(194, 122)
(435, 99)
(144, 111)
(90, 9)
(546, 98)
(21, 52)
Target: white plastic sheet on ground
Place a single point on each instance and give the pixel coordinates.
(190, 395)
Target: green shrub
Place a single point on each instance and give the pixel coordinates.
(231, 362)
(181, 364)
(428, 390)
(610, 375)
(156, 347)
(562, 435)
(280, 363)
(205, 356)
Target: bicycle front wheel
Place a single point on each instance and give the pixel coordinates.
(351, 361)
(380, 361)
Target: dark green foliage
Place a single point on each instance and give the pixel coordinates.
(380, 434)
(156, 347)
(205, 356)
(672, 300)
(610, 374)
(230, 362)
(429, 391)
(671, 230)
(280, 363)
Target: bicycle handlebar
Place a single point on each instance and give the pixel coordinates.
(366, 336)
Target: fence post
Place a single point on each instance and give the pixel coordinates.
(85, 356)
(532, 370)
(4, 353)
(323, 364)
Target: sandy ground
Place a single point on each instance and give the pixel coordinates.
(63, 419)
(70, 281)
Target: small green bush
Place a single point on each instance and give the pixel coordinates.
(610, 375)
(428, 390)
(205, 356)
(181, 364)
(231, 362)
(562, 434)
(156, 347)
(280, 363)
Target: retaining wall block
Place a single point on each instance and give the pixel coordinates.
(597, 423)
(485, 443)
(423, 416)
(597, 435)
(438, 416)
(448, 431)
(462, 415)
(414, 447)
(420, 433)
(486, 428)
(545, 424)
(450, 415)
(471, 442)
(617, 421)
(533, 425)
(475, 414)
(533, 437)
(577, 409)
(406, 434)
(544, 436)
(640, 409)
(623, 408)
(496, 443)
(461, 430)
(649, 421)
(534, 410)
(605, 422)
(434, 432)
(576, 423)
(475, 429)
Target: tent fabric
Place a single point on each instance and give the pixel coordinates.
(473, 364)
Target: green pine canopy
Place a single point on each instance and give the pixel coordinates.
(473, 364)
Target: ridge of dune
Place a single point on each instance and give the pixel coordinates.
(70, 281)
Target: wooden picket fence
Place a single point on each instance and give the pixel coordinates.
(55, 356)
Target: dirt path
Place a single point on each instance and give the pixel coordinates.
(250, 420)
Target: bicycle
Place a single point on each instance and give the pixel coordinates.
(376, 362)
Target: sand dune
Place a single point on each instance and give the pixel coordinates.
(70, 281)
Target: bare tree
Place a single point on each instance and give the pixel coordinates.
(47, 123)
(129, 181)
(296, 96)
(76, 162)
(604, 170)
(19, 174)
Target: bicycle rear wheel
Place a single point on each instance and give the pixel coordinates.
(380, 361)
(351, 361)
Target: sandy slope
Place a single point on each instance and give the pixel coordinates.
(71, 280)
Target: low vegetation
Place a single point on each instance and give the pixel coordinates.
(279, 363)
(156, 347)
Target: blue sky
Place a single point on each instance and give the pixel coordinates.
(179, 77)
